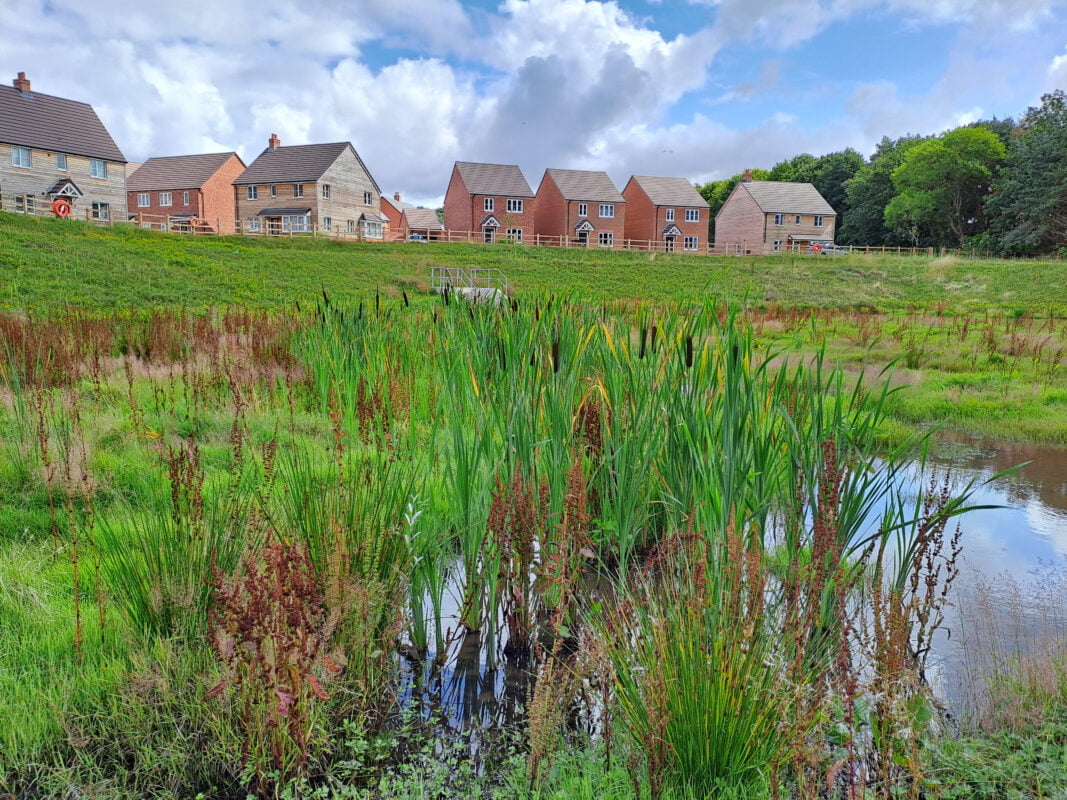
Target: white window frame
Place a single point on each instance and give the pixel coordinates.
(692, 215)
(98, 168)
(489, 204)
(514, 235)
(24, 204)
(798, 219)
(368, 199)
(691, 243)
(327, 223)
(372, 230)
(351, 227)
(818, 220)
(144, 199)
(61, 162)
(670, 215)
(778, 219)
(166, 199)
(185, 198)
(325, 191)
(514, 206)
(296, 223)
(583, 209)
(298, 190)
(605, 239)
(274, 190)
(101, 211)
(252, 224)
(607, 210)
(252, 192)
(21, 157)
(777, 245)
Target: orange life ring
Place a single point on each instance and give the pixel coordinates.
(816, 248)
(60, 207)
(193, 222)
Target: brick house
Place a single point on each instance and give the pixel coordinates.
(667, 211)
(392, 210)
(489, 199)
(581, 208)
(308, 188)
(761, 217)
(55, 149)
(185, 192)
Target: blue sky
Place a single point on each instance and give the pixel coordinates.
(694, 88)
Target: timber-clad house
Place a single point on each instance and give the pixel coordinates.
(761, 217)
(669, 211)
(185, 193)
(56, 149)
(489, 200)
(311, 187)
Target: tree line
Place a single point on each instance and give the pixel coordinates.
(996, 185)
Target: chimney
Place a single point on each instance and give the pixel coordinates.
(22, 84)
(746, 176)
(396, 196)
(274, 142)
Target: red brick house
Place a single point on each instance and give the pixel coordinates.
(392, 210)
(667, 211)
(582, 208)
(185, 192)
(489, 201)
(53, 149)
(761, 217)
(309, 188)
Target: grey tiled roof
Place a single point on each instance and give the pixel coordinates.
(176, 172)
(422, 219)
(44, 122)
(670, 191)
(501, 180)
(780, 197)
(284, 212)
(594, 187)
(301, 163)
(399, 205)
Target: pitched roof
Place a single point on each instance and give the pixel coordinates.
(44, 122)
(577, 184)
(399, 205)
(176, 172)
(670, 191)
(781, 197)
(296, 164)
(423, 219)
(502, 180)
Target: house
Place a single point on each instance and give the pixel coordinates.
(487, 199)
(421, 222)
(309, 188)
(56, 157)
(773, 216)
(580, 208)
(185, 192)
(392, 210)
(666, 211)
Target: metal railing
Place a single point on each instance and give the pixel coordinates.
(442, 278)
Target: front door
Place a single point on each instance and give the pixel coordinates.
(668, 244)
(583, 238)
(489, 234)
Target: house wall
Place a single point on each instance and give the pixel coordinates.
(740, 222)
(464, 211)
(457, 204)
(556, 216)
(155, 214)
(789, 227)
(645, 221)
(348, 181)
(393, 214)
(247, 209)
(43, 173)
(217, 197)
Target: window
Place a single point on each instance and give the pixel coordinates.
(327, 222)
(692, 215)
(607, 210)
(20, 157)
(144, 199)
(670, 215)
(298, 190)
(798, 219)
(325, 191)
(690, 243)
(166, 199)
(583, 209)
(489, 204)
(253, 192)
(368, 199)
(24, 204)
(97, 168)
(252, 224)
(163, 226)
(515, 207)
(101, 211)
(372, 230)
(351, 226)
(185, 198)
(147, 225)
(274, 190)
(777, 219)
(777, 245)
(296, 224)
(515, 234)
(818, 221)
(61, 161)
(606, 239)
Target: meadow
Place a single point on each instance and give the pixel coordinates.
(364, 541)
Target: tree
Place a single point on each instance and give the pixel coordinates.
(716, 192)
(942, 185)
(869, 191)
(1029, 202)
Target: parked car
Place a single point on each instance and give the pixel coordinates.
(827, 250)
(417, 237)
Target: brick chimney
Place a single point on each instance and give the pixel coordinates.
(274, 142)
(396, 196)
(22, 83)
(746, 176)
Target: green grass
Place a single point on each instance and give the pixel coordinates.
(52, 264)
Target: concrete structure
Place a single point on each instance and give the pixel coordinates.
(668, 211)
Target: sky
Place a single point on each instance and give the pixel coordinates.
(699, 89)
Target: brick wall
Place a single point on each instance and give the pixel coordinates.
(217, 198)
(740, 222)
(156, 214)
(557, 216)
(458, 204)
